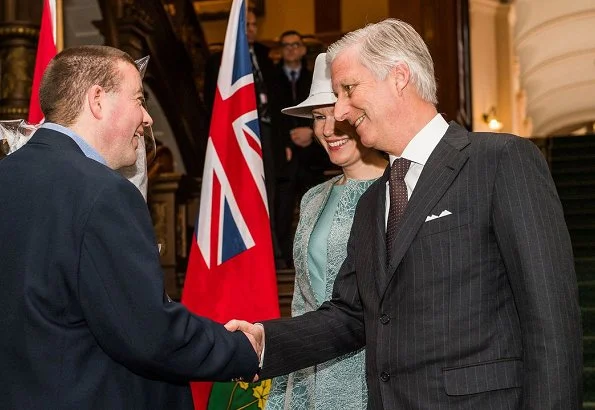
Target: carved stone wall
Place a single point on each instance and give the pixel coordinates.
(18, 45)
(173, 202)
(19, 32)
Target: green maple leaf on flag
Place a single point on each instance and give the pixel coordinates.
(239, 396)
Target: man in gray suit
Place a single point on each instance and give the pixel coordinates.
(472, 300)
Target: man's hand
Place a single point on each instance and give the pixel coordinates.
(302, 136)
(254, 333)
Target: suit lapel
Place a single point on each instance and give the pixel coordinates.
(378, 218)
(439, 172)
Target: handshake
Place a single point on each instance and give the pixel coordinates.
(254, 333)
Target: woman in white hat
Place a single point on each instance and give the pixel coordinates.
(320, 246)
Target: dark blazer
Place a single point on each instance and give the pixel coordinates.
(85, 320)
(312, 159)
(477, 310)
(284, 98)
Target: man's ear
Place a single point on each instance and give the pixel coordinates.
(95, 99)
(402, 75)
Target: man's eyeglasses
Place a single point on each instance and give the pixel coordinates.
(291, 45)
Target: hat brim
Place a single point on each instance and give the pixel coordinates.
(304, 109)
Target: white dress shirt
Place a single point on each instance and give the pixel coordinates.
(418, 151)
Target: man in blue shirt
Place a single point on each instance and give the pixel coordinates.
(86, 323)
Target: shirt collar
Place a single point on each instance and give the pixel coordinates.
(87, 149)
(421, 146)
(288, 71)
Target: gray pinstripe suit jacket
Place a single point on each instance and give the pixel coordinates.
(477, 310)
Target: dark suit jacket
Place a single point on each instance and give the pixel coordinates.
(312, 159)
(477, 310)
(84, 317)
(284, 98)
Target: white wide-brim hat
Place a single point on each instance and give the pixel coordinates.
(321, 91)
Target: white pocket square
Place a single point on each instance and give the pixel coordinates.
(442, 214)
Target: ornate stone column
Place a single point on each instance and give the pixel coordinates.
(493, 64)
(18, 45)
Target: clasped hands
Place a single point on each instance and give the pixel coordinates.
(254, 333)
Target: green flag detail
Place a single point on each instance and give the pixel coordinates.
(239, 395)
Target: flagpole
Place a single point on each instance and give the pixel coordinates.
(59, 26)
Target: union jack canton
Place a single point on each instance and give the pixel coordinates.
(233, 163)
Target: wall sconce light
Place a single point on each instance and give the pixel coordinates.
(490, 118)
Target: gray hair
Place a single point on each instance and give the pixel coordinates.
(384, 44)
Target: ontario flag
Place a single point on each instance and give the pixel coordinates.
(231, 271)
(46, 50)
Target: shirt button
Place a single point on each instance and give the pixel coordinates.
(384, 319)
(384, 376)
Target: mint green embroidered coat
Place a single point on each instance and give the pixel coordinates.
(339, 383)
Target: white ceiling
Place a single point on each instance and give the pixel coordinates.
(555, 43)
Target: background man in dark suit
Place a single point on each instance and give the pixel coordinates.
(84, 316)
(470, 298)
(301, 162)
